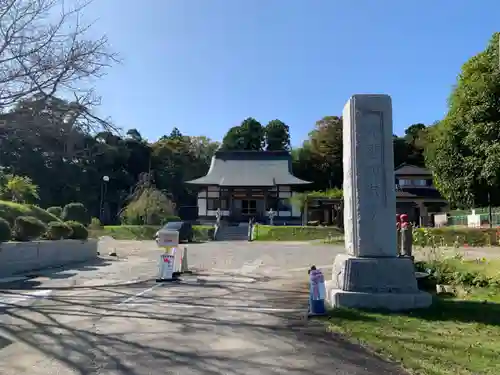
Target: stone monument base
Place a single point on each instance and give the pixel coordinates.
(375, 283)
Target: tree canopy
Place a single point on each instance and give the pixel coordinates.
(464, 148)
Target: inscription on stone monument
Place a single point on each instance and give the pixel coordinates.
(371, 275)
(366, 176)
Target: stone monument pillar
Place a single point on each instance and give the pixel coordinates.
(370, 274)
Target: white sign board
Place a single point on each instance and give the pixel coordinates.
(168, 238)
(166, 266)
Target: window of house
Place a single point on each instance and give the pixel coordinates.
(224, 204)
(420, 182)
(212, 203)
(403, 182)
(272, 203)
(215, 203)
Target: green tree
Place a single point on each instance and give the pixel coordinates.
(150, 206)
(326, 150)
(416, 140)
(233, 140)
(277, 135)
(19, 189)
(250, 136)
(464, 148)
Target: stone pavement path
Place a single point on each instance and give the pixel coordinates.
(244, 316)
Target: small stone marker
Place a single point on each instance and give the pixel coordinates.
(271, 214)
(370, 274)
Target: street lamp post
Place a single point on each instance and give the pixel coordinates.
(104, 188)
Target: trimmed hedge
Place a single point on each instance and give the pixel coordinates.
(10, 211)
(5, 231)
(78, 230)
(295, 233)
(457, 237)
(76, 212)
(27, 228)
(55, 210)
(423, 237)
(203, 233)
(146, 232)
(58, 231)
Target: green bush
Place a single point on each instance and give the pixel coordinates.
(5, 231)
(151, 207)
(168, 219)
(147, 232)
(295, 233)
(11, 210)
(79, 232)
(55, 210)
(202, 233)
(28, 228)
(95, 223)
(456, 237)
(76, 212)
(58, 231)
(457, 272)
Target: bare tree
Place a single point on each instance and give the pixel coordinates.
(45, 51)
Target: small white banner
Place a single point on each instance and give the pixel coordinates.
(166, 266)
(168, 238)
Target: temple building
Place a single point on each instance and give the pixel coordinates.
(247, 184)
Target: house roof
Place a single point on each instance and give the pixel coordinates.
(250, 168)
(411, 170)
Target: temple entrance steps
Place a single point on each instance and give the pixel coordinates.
(232, 233)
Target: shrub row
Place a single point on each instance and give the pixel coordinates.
(146, 232)
(424, 237)
(456, 237)
(28, 228)
(71, 212)
(457, 272)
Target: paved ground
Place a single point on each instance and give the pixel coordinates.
(244, 314)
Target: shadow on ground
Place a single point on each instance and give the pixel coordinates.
(56, 273)
(88, 349)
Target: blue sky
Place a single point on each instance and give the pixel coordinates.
(205, 65)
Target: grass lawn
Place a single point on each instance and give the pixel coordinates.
(459, 335)
(296, 233)
(454, 336)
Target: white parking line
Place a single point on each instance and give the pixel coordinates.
(130, 299)
(224, 278)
